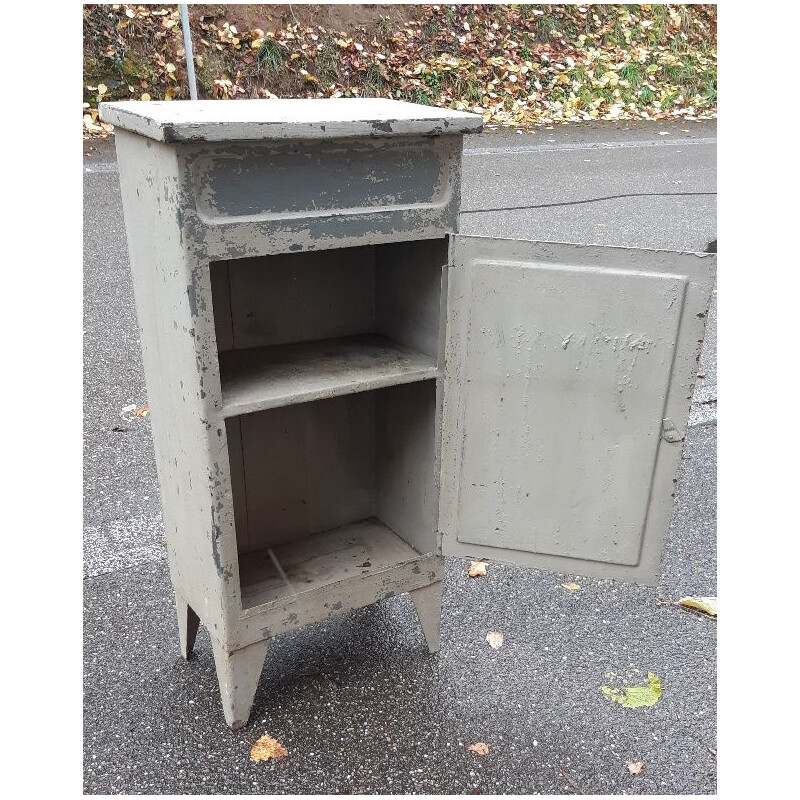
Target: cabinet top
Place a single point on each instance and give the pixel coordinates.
(174, 121)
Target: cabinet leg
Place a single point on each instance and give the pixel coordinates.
(188, 623)
(428, 602)
(238, 673)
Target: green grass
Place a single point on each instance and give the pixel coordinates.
(708, 85)
(327, 61)
(585, 99)
(373, 83)
(431, 27)
(672, 72)
(545, 26)
(687, 23)
(433, 80)
(633, 73)
(570, 32)
(578, 74)
(272, 57)
(467, 89)
(414, 96)
(526, 11)
(669, 101)
(647, 95)
(606, 93)
(384, 27)
(660, 17)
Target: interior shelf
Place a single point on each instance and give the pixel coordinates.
(349, 551)
(260, 378)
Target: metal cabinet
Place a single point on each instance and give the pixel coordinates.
(343, 389)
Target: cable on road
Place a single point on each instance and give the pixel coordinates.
(592, 200)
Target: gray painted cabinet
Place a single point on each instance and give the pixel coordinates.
(343, 389)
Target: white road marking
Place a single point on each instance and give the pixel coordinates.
(549, 148)
(100, 167)
(109, 167)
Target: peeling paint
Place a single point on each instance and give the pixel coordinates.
(216, 535)
(192, 294)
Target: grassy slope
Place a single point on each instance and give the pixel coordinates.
(516, 64)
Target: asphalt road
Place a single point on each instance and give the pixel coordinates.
(358, 702)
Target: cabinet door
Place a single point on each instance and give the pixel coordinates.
(568, 380)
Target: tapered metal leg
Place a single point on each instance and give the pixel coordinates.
(188, 623)
(238, 673)
(428, 602)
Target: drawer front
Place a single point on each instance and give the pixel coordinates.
(253, 199)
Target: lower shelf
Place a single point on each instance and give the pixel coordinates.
(350, 551)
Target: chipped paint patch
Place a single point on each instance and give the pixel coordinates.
(216, 534)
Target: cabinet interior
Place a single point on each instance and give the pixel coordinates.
(328, 364)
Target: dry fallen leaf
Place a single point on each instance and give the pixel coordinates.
(635, 767)
(635, 696)
(495, 639)
(479, 748)
(142, 411)
(477, 569)
(708, 605)
(571, 586)
(267, 748)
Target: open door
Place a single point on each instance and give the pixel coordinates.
(568, 381)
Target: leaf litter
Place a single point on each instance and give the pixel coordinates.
(515, 65)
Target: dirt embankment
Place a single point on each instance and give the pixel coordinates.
(517, 65)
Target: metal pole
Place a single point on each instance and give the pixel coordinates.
(187, 46)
